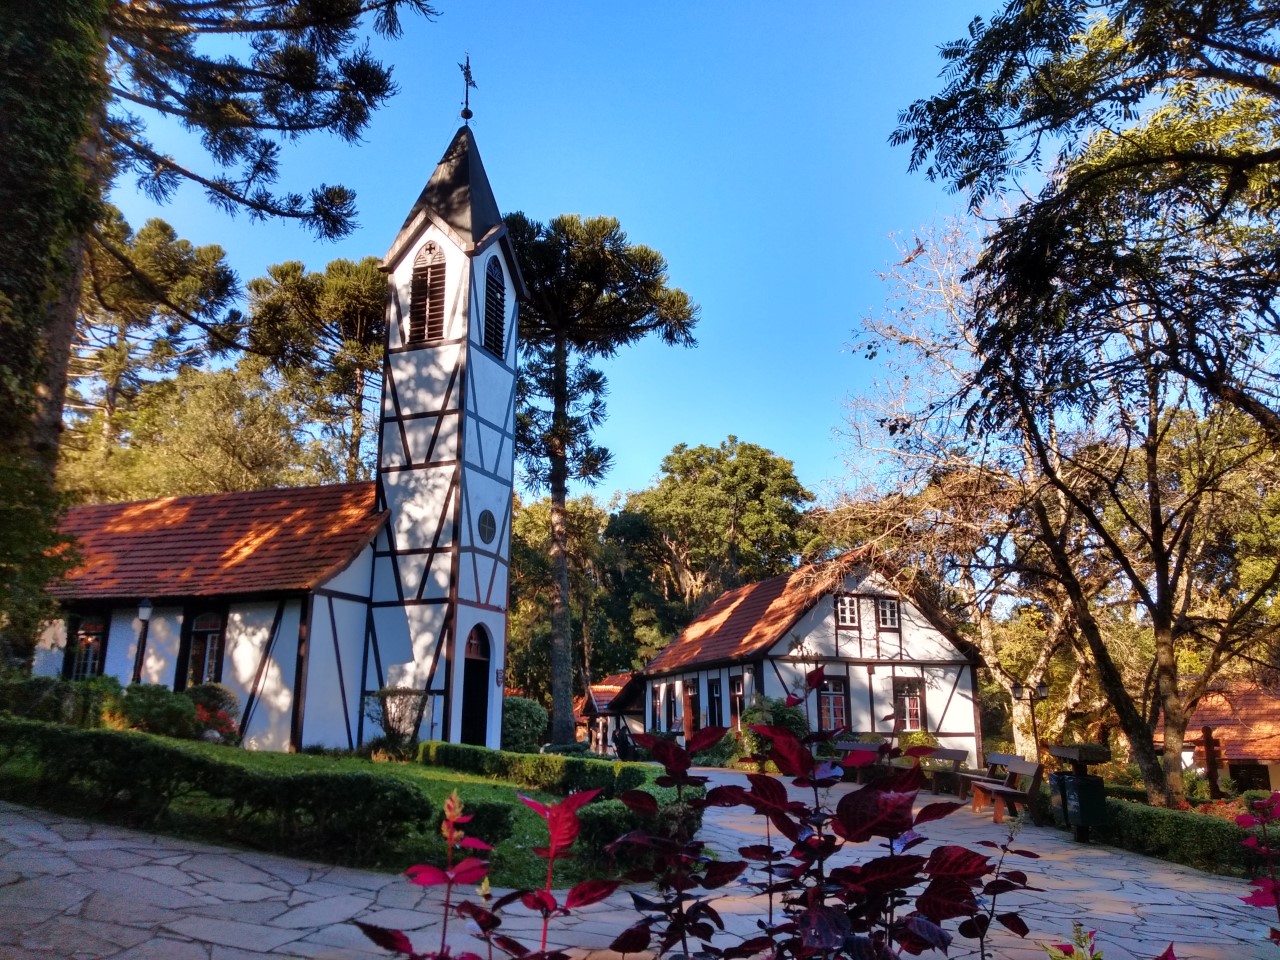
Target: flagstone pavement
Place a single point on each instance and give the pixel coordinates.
(74, 889)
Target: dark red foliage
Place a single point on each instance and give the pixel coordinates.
(869, 812)
(392, 940)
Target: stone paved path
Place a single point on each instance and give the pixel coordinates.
(71, 889)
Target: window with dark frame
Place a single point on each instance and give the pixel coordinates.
(908, 703)
(204, 662)
(846, 611)
(833, 704)
(887, 613)
(655, 708)
(692, 705)
(426, 296)
(90, 642)
(495, 306)
(735, 702)
(674, 717)
(715, 703)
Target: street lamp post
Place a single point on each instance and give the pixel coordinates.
(144, 615)
(1033, 695)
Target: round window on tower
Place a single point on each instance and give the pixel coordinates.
(487, 526)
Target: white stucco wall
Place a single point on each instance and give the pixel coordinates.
(248, 640)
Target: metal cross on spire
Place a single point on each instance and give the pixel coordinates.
(470, 85)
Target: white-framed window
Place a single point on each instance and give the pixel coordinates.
(887, 613)
(846, 611)
(908, 702)
(833, 701)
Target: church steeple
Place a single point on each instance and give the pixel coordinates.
(446, 453)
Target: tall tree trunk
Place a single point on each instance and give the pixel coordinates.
(562, 727)
(357, 429)
(51, 388)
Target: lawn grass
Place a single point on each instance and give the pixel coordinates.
(197, 816)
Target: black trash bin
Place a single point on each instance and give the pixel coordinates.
(1085, 799)
(1058, 798)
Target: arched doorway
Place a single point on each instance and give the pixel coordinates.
(475, 687)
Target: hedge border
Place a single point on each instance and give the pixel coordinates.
(344, 816)
(554, 773)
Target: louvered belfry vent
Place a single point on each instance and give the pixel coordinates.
(426, 307)
(495, 305)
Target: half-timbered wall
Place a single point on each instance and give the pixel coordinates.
(446, 472)
(867, 658)
(336, 659)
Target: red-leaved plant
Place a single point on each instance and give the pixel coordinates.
(1266, 891)
(562, 830)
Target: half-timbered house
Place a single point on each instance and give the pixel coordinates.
(306, 601)
(892, 664)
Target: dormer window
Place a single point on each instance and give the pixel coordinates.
(426, 298)
(846, 611)
(495, 305)
(887, 613)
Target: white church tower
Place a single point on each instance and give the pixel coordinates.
(446, 454)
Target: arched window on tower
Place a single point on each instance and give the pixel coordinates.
(495, 306)
(426, 298)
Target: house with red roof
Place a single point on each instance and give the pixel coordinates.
(892, 663)
(308, 601)
(1245, 721)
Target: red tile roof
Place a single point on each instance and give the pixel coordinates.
(606, 689)
(745, 621)
(749, 620)
(1245, 719)
(261, 541)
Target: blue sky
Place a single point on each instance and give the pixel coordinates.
(746, 142)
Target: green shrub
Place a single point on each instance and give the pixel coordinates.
(577, 748)
(770, 712)
(346, 816)
(1193, 839)
(491, 821)
(539, 771)
(721, 754)
(81, 703)
(152, 708)
(524, 725)
(214, 697)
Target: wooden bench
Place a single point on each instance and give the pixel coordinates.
(848, 746)
(943, 765)
(997, 770)
(1020, 786)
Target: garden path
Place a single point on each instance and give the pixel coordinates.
(73, 889)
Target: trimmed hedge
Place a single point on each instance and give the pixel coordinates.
(539, 771)
(1192, 839)
(347, 816)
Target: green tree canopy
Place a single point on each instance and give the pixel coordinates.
(215, 432)
(323, 334)
(591, 292)
(1145, 135)
(725, 516)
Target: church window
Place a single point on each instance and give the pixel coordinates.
(204, 663)
(426, 298)
(487, 526)
(495, 305)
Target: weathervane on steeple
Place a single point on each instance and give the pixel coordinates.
(466, 90)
